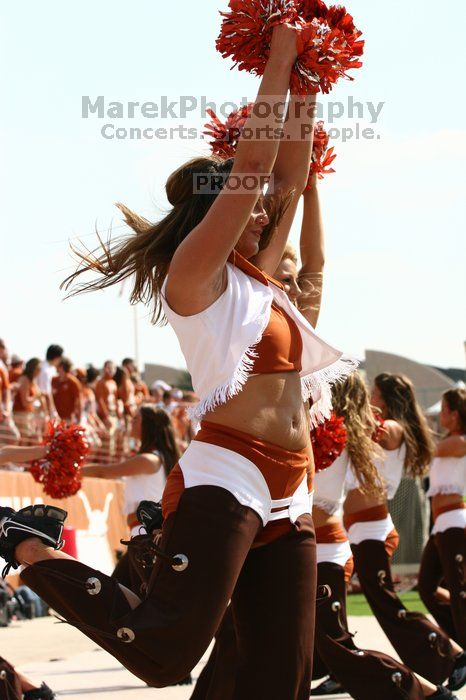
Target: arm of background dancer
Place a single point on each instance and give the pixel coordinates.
(452, 446)
(139, 464)
(312, 247)
(394, 435)
(290, 173)
(193, 287)
(21, 454)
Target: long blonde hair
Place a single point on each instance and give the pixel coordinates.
(398, 395)
(146, 256)
(351, 401)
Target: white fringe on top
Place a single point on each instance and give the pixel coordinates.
(317, 386)
(235, 385)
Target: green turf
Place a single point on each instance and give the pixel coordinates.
(357, 604)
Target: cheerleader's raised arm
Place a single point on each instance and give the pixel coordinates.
(237, 213)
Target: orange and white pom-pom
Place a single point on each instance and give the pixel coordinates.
(329, 45)
(322, 155)
(225, 135)
(60, 470)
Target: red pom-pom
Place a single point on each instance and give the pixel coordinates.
(328, 442)
(380, 431)
(60, 470)
(322, 155)
(328, 44)
(225, 135)
(246, 31)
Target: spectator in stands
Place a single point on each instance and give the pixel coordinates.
(168, 401)
(47, 372)
(3, 354)
(156, 390)
(16, 369)
(106, 394)
(29, 401)
(141, 390)
(66, 391)
(9, 433)
(126, 392)
(95, 429)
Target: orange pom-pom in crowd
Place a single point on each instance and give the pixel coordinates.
(59, 471)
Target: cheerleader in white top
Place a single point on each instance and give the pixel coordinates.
(407, 445)
(442, 578)
(145, 475)
(364, 674)
(238, 515)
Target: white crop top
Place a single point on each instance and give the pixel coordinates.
(143, 487)
(390, 469)
(219, 342)
(447, 476)
(329, 485)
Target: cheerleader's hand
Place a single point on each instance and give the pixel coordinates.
(284, 45)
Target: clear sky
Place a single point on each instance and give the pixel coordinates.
(394, 212)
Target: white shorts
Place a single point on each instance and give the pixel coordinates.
(373, 530)
(453, 518)
(335, 553)
(204, 464)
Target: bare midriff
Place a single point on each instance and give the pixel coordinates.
(321, 518)
(445, 502)
(357, 501)
(269, 407)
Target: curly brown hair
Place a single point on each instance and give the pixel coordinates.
(351, 401)
(398, 394)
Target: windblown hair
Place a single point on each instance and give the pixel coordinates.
(146, 256)
(456, 401)
(398, 394)
(157, 434)
(351, 401)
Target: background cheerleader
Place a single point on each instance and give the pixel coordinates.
(145, 474)
(358, 672)
(407, 444)
(442, 578)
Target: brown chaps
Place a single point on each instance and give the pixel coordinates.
(444, 563)
(421, 645)
(364, 674)
(10, 687)
(272, 590)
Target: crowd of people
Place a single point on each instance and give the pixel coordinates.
(241, 531)
(105, 402)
